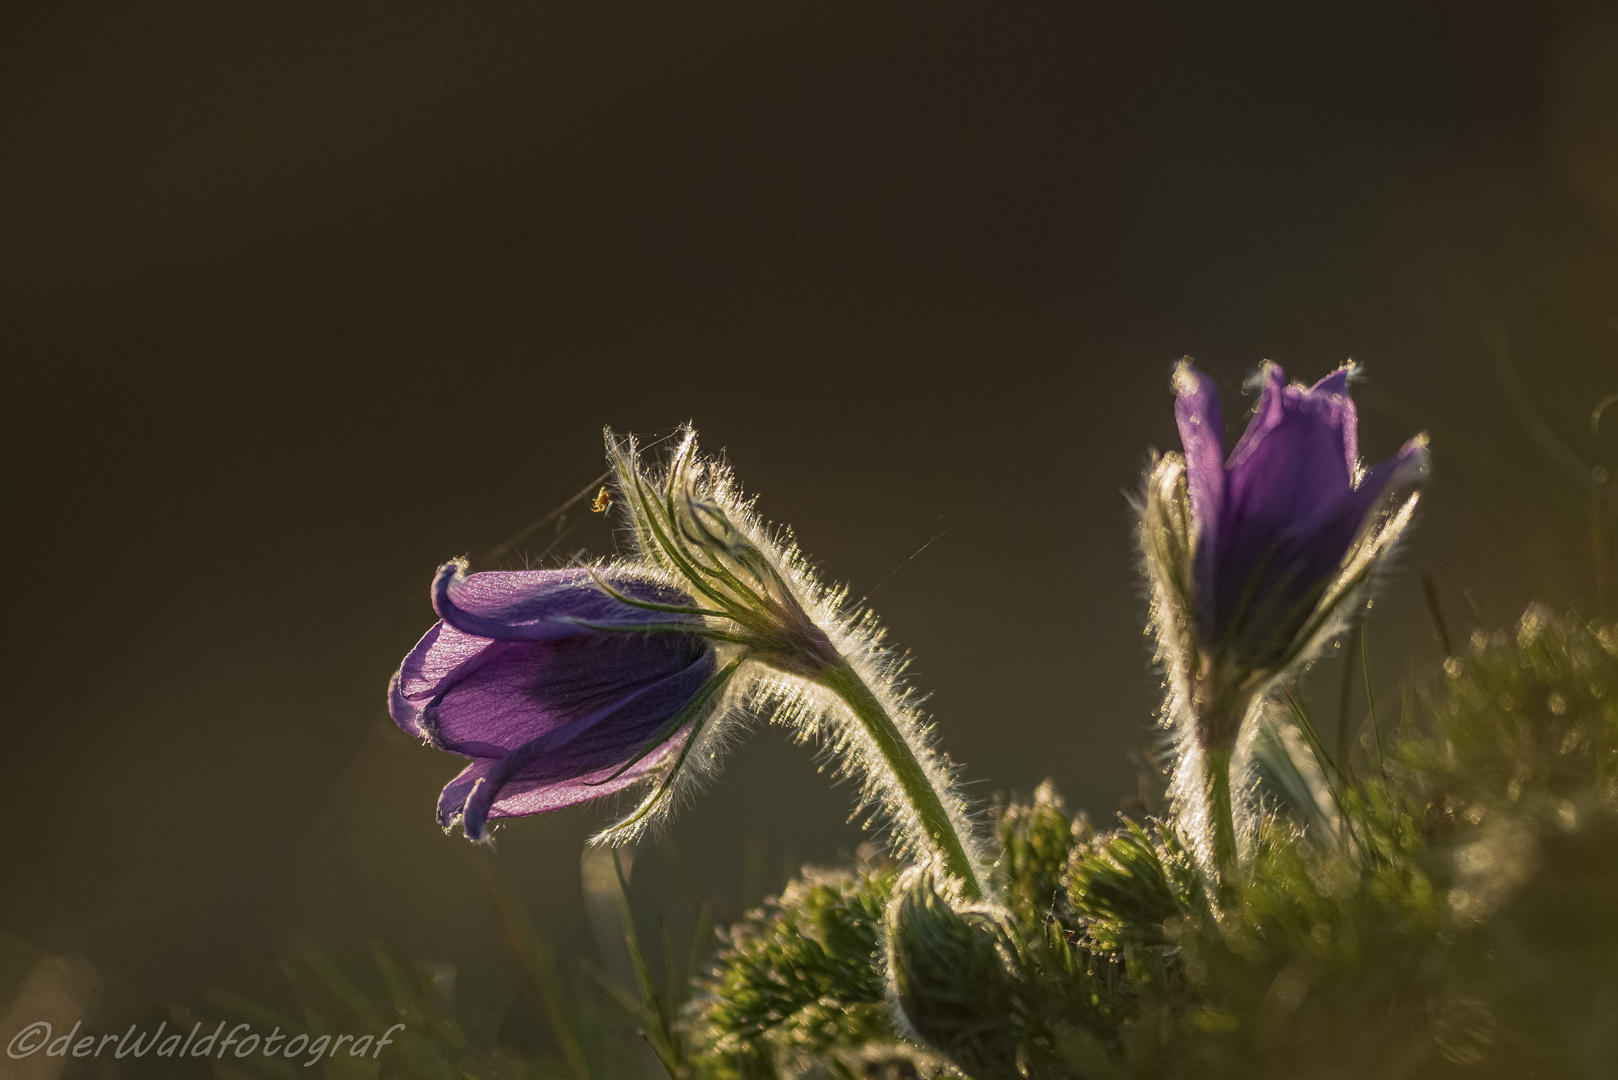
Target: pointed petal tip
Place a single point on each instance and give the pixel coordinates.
(452, 800)
(475, 826)
(1269, 378)
(479, 786)
(1408, 469)
(1336, 383)
(1186, 378)
(1416, 457)
(445, 578)
(1189, 382)
(1197, 414)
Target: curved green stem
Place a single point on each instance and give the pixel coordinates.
(925, 801)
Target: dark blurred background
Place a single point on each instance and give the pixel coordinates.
(298, 301)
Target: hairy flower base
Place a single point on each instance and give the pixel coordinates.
(796, 640)
(1220, 700)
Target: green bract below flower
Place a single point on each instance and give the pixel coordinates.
(788, 646)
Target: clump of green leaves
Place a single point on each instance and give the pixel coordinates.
(996, 989)
(1518, 763)
(1125, 887)
(1035, 839)
(1315, 962)
(803, 977)
(1450, 917)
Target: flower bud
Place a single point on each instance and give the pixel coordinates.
(950, 977)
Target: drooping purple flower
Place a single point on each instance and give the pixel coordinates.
(1274, 522)
(557, 691)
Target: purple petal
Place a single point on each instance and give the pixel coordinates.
(441, 658)
(1266, 414)
(1404, 469)
(1196, 409)
(453, 798)
(1291, 509)
(493, 788)
(1324, 413)
(542, 605)
(1291, 466)
(405, 713)
(1303, 558)
(1335, 385)
(508, 693)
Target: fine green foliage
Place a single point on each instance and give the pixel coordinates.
(1523, 725)
(1035, 839)
(803, 976)
(1315, 963)
(1518, 761)
(1449, 917)
(596, 1028)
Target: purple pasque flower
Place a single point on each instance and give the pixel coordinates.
(1277, 526)
(1275, 521)
(557, 691)
(1255, 562)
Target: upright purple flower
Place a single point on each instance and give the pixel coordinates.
(557, 691)
(1255, 560)
(1274, 523)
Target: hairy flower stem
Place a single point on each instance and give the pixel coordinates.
(925, 801)
(1220, 818)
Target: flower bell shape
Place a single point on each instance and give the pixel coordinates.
(1257, 560)
(557, 692)
(1274, 522)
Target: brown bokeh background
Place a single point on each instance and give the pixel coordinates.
(300, 300)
